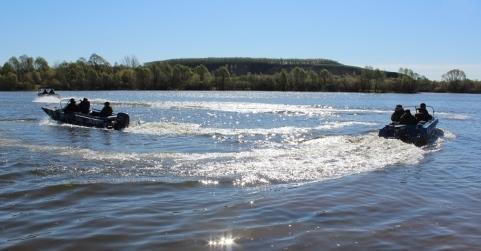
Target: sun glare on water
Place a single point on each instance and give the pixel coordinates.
(224, 241)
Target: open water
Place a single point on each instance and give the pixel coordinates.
(239, 171)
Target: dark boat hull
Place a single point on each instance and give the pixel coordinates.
(420, 134)
(117, 122)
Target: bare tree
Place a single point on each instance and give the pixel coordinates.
(455, 80)
(97, 60)
(130, 61)
(454, 75)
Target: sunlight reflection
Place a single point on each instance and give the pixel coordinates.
(226, 241)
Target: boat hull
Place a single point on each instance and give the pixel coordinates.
(420, 134)
(117, 122)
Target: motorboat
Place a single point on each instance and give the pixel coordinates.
(46, 92)
(420, 134)
(117, 121)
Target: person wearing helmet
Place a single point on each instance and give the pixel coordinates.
(106, 111)
(422, 113)
(407, 118)
(398, 112)
(84, 106)
(71, 107)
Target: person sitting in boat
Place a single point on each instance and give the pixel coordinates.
(398, 112)
(84, 106)
(51, 92)
(423, 114)
(106, 111)
(407, 118)
(44, 91)
(71, 107)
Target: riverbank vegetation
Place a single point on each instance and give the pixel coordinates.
(96, 73)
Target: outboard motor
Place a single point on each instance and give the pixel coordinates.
(121, 121)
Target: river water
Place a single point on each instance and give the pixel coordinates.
(239, 171)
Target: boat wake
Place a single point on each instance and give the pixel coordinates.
(18, 119)
(175, 128)
(50, 122)
(291, 110)
(46, 99)
(270, 163)
(453, 116)
(241, 107)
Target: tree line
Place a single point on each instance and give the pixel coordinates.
(96, 73)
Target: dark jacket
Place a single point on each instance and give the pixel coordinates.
(396, 116)
(84, 106)
(408, 119)
(423, 115)
(106, 111)
(71, 107)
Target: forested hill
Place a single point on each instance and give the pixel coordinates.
(244, 65)
(261, 74)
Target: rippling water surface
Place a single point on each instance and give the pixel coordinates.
(240, 171)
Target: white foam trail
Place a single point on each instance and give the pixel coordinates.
(342, 124)
(174, 128)
(312, 160)
(49, 122)
(46, 99)
(448, 135)
(453, 116)
(244, 107)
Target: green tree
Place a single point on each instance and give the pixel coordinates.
(407, 79)
(283, 80)
(10, 82)
(14, 64)
(181, 75)
(162, 76)
(7, 67)
(379, 77)
(143, 78)
(127, 78)
(222, 74)
(40, 64)
(324, 77)
(299, 77)
(76, 76)
(203, 72)
(25, 64)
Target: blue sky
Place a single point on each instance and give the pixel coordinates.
(428, 36)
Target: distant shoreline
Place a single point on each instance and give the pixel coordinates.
(59, 92)
(233, 74)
